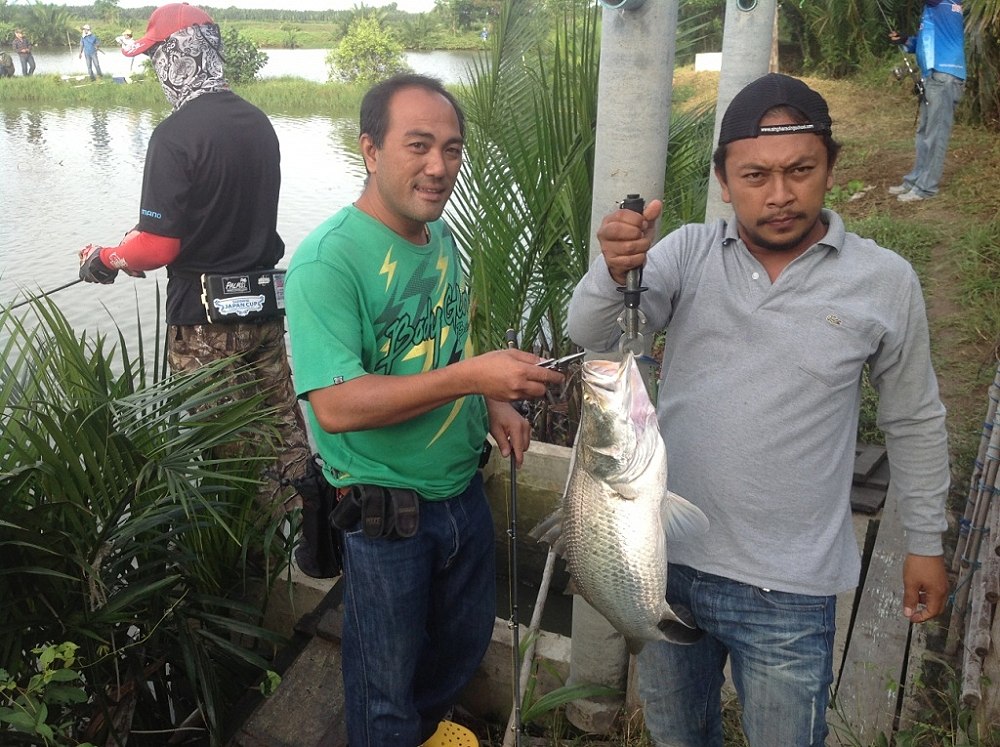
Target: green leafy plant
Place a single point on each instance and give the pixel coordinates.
(546, 710)
(367, 54)
(29, 708)
(243, 59)
(839, 193)
(269, 685)
(943, 719)
(126, 531)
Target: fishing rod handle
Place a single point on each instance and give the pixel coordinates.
(633, 288)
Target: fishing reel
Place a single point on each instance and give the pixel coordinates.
(906, 70)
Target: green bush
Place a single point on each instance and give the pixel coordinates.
(125, 531)
(368, 54)
(243, 60)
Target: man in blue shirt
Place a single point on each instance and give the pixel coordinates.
(89, 46)
(939, 46)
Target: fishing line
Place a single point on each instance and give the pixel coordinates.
(46, 293)
(513, 623)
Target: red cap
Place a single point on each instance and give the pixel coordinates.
(166, 20)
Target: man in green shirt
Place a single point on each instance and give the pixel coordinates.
(378, 315)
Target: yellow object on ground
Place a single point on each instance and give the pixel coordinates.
(449, 734)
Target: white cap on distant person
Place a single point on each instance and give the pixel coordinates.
(86, 27)
(166, 20)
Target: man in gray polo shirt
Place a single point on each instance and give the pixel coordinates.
(770, 318)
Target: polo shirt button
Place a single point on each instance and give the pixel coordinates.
(756, 276)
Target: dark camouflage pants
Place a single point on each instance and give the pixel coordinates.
(261, 346)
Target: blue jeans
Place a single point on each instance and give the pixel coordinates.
(27, 63)
(937, 116)
(418, 616)
(93, 64)
(780, 648)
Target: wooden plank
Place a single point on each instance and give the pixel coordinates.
(880, 477)
(866, 500)
(307, 710)
(867, 458)
(867, 695)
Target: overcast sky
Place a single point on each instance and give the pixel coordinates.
(410, 6)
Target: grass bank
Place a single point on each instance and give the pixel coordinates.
(293, 96)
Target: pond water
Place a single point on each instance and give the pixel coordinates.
(449, 66)
(73, 177)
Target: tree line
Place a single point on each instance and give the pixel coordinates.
(833, 38)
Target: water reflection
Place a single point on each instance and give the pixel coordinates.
(99, 135)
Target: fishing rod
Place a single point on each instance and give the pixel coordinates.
(46, 293)
(907, 70)
(514, 623)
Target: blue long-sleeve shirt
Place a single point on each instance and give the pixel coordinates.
(89, 44)
(940, 42)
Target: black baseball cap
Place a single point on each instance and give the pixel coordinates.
(748, 107)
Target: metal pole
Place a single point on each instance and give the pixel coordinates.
(635, 83)
(746, 56)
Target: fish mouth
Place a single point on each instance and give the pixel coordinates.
(604, 376)
(602, 385)
(610, 383)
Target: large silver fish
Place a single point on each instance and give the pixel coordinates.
(616, 511)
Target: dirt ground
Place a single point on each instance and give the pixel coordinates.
(876, 125)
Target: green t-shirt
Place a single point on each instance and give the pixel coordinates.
(360, 300)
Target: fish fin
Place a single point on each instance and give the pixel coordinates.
(549, 532)
(635, 645)
(545, 525)
(549, 529)
(678, 626)
(681, 518)
(674, 632)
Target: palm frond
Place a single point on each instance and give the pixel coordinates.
(127, 522)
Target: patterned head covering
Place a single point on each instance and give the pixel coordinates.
(188, 63)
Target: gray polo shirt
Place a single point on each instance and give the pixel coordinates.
(759, 397)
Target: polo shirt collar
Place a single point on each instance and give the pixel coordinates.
(835, 231)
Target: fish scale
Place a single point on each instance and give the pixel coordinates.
(610, 526)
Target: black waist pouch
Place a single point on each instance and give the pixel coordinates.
(252, 296)
(386, 513)
(319, 553)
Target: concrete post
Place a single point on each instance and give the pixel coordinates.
(746, 54)
(633, 120)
